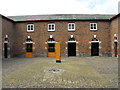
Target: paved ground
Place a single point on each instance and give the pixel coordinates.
(72, 72)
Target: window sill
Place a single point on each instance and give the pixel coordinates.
(93, 30)
(71, 30)
(30, 31)
(51, 30)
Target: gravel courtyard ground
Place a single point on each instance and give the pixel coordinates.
(72, 72)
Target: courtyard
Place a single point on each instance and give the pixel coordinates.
(72, 72)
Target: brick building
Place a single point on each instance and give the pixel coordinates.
(78, 35)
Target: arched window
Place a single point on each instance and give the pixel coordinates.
(95, 39)
(28, 39)
(72, 39)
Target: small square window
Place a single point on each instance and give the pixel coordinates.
(93, 26)
(30, 27)
(71, 26)
(51, 27)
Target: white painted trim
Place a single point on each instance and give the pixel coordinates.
(71, 41)
(71, 27)
(71, 36)
(51, 36)
(51, 28)
(95, 41)
(51, 41)
(115, 40)
(90, 47)
(30, 27)
(5, 41)
(45, 47)
(6, 36)
(29, 42)
(100, 47)
(93, 24)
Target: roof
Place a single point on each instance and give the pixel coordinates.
(61, 17)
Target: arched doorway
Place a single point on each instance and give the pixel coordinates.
(95, 47)
(6, 47)
(72, 46)
(51, 47)
(29, 47)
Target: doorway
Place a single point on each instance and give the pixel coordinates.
(115, 48)
(29, 50)
(51, 47)
(5, 50)
(95, 49)
(71, 48)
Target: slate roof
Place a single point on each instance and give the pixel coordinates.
(61, 17)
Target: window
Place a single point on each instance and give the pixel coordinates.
(30, 27)
(28, 47)
(51, 27)
(93, 26)
(71, 26)
(51, 47)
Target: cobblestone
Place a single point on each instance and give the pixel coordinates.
(72, 72)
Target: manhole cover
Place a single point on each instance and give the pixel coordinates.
(54, 70)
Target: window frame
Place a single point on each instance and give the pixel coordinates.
(70, 28)
(94, 26)
(31, 30)
(51, 28)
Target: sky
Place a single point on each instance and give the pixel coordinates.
(37, 7)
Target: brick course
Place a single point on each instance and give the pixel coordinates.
(17, 33)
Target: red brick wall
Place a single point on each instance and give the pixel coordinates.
(114, 29)
(83, 36)
(8, 29)
(119, 36)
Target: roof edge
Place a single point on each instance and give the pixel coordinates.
(7, 18)
(66, 20)
(115, 16)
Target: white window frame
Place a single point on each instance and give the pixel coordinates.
(51, 27)
(93, 26)
(30, 28)
(70, 28)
